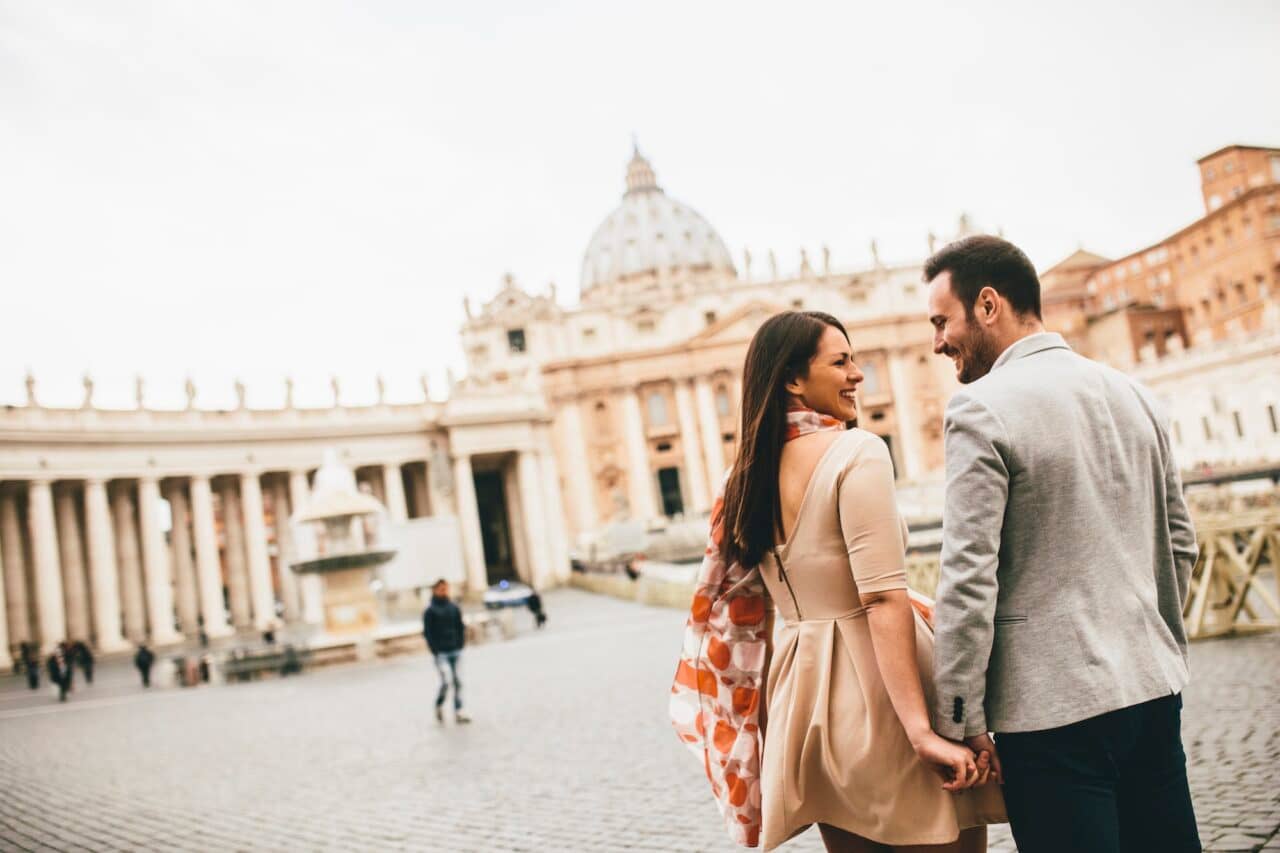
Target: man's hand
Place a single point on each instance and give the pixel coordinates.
(981, 744)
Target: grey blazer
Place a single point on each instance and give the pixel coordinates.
(1066, 551)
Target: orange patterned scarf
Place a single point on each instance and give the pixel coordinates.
(715, 700)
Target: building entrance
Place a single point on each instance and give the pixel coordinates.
(669, 488)
(495, 527)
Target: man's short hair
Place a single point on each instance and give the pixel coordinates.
(438, 582)
(978, 261)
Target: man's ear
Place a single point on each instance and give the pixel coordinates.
(987, 306)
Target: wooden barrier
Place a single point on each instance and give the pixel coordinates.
(1227, 594)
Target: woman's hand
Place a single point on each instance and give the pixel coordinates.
(954, 762)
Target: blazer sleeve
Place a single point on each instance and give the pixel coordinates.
(1182, 536)
(869, 521)
(977, 492)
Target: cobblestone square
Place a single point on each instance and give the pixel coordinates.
(569, 750)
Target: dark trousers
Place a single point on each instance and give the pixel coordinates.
(450, 659)
(1112, 783)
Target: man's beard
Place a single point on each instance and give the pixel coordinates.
(978, 355)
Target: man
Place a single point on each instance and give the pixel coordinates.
(442, 626)
(60, 670)
(1067, 550)
(143, 660)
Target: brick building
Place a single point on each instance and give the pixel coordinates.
(1216, 279)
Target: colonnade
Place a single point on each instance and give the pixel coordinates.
(90, 558)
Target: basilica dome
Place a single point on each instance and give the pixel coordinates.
(650, 231)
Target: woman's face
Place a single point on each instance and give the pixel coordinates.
(833, 378)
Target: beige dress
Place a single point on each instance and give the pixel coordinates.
(834, 750)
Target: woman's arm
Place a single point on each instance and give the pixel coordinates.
(873, 536)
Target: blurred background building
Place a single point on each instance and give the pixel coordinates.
(123, 526)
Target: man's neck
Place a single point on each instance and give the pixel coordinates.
(1024, 330)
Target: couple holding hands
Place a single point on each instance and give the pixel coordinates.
(1042, 687)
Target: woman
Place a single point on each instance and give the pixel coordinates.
(808, 520)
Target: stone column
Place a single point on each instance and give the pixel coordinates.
(640, 489)
(131, 594)
(393, 487)
(48, 575)
(515, 523)
(712, 444)
(184, 569)
(15, 569)
(310, 586)
(155, 562)
(286, 550)
(261, 593)
(581, 493)
(75, 592)
(208, 566)
(464, 489)
(691, 445)
(533, 501)
(237, 578)
(559, 536)
(6, 660)
(908, 429)
(104, 572)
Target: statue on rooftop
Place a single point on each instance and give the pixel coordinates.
(382, 389)
(30, 382)
(288, 392)
(241, 392)
(337, 391)
(87, 402)
(190, 388)
(139, 391)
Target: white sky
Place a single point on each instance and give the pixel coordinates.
(254, 189)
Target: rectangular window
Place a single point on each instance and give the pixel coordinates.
(515, 340)
(588, 335)
(709, 317)
(657, 409)
(1208, 430)
(645, 325)
(1235, 416)
(1275, 422)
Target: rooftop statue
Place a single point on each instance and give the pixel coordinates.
(87, 402)
(240, 394)
(31, 388)
(190, 388)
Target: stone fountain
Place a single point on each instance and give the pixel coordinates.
(340, 536)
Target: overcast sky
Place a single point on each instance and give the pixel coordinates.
(260, 189)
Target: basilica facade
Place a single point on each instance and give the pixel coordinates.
(119, 527)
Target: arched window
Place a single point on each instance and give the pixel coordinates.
(723, 406)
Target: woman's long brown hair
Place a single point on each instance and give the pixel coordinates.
(779, 353)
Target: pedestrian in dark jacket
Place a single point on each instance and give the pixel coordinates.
(59, 668)
(30, 664)
(446, 635)
(534, 601)
(143, 661)
(81, 654)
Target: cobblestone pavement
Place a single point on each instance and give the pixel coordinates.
(569, 751)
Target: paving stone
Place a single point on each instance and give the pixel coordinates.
(569, 751)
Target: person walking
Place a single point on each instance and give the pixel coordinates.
(807, 521)
(534, 603)
(30, 664)
(83, 658)
(1067, 550)
(143, 660)
(445, 634)
(59, 670)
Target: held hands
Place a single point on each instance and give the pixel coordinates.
(959, 765)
